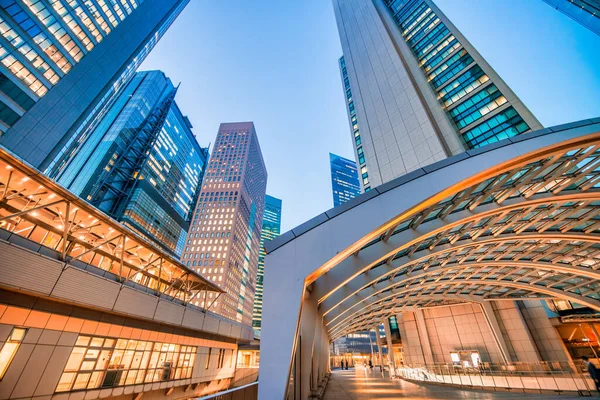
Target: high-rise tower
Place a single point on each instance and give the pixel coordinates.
(142, 164)
(271, 228)
(224, 238)
(344, 179)
(585, 12)
(417, 91)
(62, 63)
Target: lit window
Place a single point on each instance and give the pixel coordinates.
(106, 362)
(10, 349)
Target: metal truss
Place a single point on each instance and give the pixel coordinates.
(116, 185)
(37, 209)
(528, 229)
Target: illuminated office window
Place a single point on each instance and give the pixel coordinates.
(107, 362)
(10, 349)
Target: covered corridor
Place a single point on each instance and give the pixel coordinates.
(361, 384)
(463, 254)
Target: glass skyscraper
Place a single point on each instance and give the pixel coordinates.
(344, 179)
(62, 62)
(271, 228)
(360, 156)
(141, 164)
(586, 12)
(418, 89)
(224, 239)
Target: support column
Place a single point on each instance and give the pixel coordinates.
(308, 320)
(388, 336)
(316, 352)
(378, 337)
(424, 336)
(325, 351)
(322, 361)
(490, 317)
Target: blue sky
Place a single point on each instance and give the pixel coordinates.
(275, 63)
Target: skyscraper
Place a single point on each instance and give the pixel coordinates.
(586, 12)
(418, 89)
(142, 164)
(64, 61)
(271, 228)
(224, 238)
(365, 184)
(344, 179)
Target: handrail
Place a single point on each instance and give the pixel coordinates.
(540, 367)
(521, 376)
(216, 395)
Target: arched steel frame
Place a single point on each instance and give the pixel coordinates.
(527, 229)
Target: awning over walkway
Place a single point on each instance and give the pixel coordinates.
(42, 212)
(515, 220)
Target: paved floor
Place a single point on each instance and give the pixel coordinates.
(362, 384)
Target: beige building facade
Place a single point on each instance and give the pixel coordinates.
(89, 309)
(223, 241)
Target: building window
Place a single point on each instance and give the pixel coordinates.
(106, 362)
(221, 358)
(10, 349)
(208, 359)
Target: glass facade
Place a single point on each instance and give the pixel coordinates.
(585, 12)
(223, 242)
(344, 179)
(364, 173)
(141, 164)
(101, 108)
(480, 111)
(99, 362)
(271, 228)
(359, 343)
(41, 41)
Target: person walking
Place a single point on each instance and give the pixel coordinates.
(593, 371)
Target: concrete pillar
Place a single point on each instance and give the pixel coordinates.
(316, 352)
(378, 336)
(388, 336)
(424, 336)
(323, 357)
(546, 338)
(490, 317)
(520, 306)
(308, 320)
(325, 352)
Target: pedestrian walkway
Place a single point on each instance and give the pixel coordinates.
(362, 384)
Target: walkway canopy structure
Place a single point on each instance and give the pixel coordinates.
(52, 220)
(515, 220)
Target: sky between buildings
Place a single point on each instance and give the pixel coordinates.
(275, 63)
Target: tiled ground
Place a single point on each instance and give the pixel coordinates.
(362, 384)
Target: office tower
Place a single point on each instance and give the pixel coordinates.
(344, 179)
(142, 164)
(417, 91)
(365, 185)
(224, 238)
(62, 63)
(586, 12)
(271, 228)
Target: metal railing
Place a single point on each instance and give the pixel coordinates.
(542, 376)
(249, 391)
